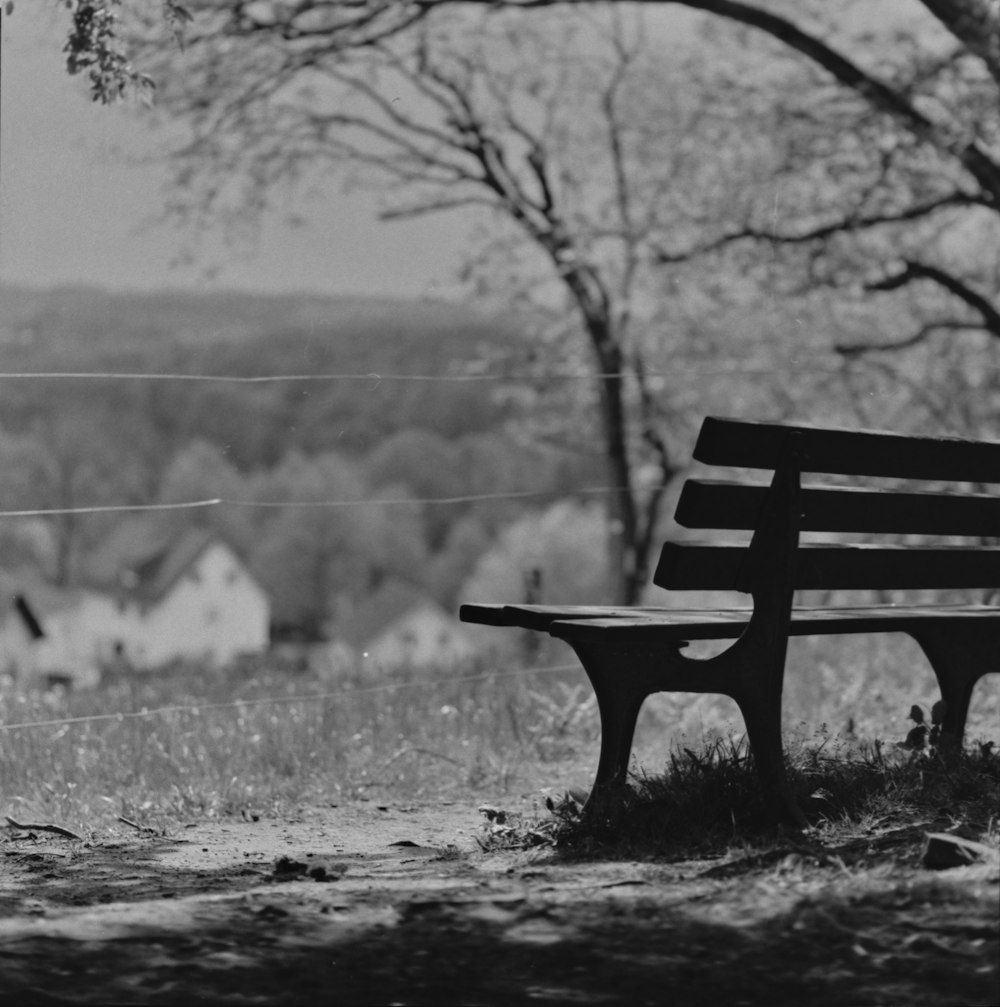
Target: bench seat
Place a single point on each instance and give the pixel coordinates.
(649, 624)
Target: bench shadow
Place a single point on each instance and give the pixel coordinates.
(843, 947)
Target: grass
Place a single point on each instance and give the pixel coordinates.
(707, 800)
(708, 803)
(173, 747)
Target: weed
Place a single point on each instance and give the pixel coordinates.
(707, 800)
(561, 719)
(503, 830)
(927, 736)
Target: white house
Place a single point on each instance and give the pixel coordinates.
(154, 598)
(399, 624)
(150, 596)
(43, 637)
(68, 652)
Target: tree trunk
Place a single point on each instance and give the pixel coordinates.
(624, 538)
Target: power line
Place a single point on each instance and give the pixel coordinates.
(734, 368)
(110, 509)
(263, 378)
(306, 504)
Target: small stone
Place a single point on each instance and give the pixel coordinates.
(285, 867)
(943, 851)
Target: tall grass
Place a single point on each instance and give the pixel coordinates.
(175, 746)
(710, 802)
(167, 747)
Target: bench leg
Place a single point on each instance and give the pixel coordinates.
(760, 704)
(959, 659)
(619, 713)
(619, 699)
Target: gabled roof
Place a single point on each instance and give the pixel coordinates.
(144, 559)
(377, 612)
(133, 541)
(156, 575)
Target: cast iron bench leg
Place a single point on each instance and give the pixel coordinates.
(619, 699)
(759, 701)
(959, 657)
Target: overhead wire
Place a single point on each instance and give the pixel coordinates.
(311, 697)
(377, 377)
(732, 368)
(303, 504)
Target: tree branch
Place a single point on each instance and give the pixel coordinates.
(976, 24)
(913, 271)
(852, 350)
(434, 206)
(620, 174)
(977, 161)
(851, 223)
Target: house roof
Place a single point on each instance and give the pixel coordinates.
(133, 540)
(156, 574)
(379, 611)
(145, 559)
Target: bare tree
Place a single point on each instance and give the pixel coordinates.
(942, 96)
(567, 131)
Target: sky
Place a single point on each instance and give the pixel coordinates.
(75, 205)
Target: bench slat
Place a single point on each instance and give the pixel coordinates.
(541, 617)
(700, 567)
(744, 444)
(806, 621)
(730, 505)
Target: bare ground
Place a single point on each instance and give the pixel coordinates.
(395, 904)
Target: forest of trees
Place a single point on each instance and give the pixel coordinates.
(96, 442)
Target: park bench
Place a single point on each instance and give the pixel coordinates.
(630, 653)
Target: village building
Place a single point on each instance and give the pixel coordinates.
(186, 595)
(149, 597)
(21, 633)
(398, 624)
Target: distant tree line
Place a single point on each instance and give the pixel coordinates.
(327, 447)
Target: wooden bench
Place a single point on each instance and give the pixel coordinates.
(630, 653)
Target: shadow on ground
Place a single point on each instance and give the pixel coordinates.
(382, 906)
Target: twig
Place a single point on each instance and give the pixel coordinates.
(136, 826)
(406, 749)
(57, 829)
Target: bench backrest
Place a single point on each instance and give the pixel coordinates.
(821, 450)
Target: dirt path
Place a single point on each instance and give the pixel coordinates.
(394, 904)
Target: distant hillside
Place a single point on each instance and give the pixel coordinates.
(85, 329)
(69, 322)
